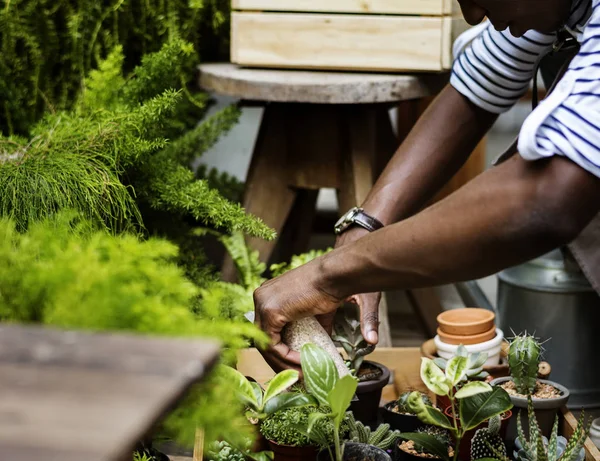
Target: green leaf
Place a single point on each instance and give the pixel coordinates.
(262, 456)
(455, 369)
(288, 400)
(313, 419)
(280, 383)
(473, 388)
(478, 408)
(340, 397)
(243, 387)
(434, 378)
(320, 373)
(477, 360)
(427, 413)
(258, 393)
(429, 443)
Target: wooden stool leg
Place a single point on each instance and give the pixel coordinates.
(369, 129)
(268, 193)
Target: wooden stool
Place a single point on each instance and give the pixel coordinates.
(319, 130)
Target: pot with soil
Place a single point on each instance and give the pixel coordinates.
(400, 417)
(547, 396)
(357, 452)
(287, 443)
(372, 376)
(410, 450)
(464, 450)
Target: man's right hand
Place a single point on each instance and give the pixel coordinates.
(368, 303)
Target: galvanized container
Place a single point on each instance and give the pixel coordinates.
(559, 305)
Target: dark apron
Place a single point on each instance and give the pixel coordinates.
(582, 254)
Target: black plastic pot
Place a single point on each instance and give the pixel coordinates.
(357, 452)
(286, 453)
(366, 408)
(545, 411)
(400, 421)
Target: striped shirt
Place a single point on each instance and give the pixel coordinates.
(494, 70)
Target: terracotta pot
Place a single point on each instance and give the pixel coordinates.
(286, 453)
(467, 339)
(400, 421)
(464, 450)
(357, 452)
(466, 322)
(366, 408)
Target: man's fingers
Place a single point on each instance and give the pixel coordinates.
(369, 317)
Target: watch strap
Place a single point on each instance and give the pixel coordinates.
(368, 222)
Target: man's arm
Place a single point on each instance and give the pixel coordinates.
(507, 215)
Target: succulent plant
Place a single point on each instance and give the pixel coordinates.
(382, 437)
(524, 361)
(402, 403)
(538, 448)
(487, 442)
(475, 362)
(348, 334)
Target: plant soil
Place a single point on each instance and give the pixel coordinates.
(408, 446)
(542, 391)
(368, 373)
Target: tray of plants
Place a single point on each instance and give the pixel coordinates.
(428, 410)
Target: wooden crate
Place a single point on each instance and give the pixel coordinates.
(404, 364)
(367, 35)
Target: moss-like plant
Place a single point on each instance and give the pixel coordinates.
(282, 427)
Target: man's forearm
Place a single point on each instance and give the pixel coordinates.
(507, 215)
(432, 153)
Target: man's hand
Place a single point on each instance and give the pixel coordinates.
(367, 302)
(294, 295)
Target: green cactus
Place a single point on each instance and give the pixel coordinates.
(487, 442)
(524, 362)
(382, 437)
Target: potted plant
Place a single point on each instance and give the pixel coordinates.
(538, 447)
(290, 444)
(383, 437)
(399, 416)
(323, 382)
(471, 402)
(372, 377)
(547, 396)
(409, 450)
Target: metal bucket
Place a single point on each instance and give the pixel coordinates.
(557, 304)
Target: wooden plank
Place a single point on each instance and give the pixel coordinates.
(415, 7)
(339, 41)
(73, 396)
(568, 425)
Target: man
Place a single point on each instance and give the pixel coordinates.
(533, 202)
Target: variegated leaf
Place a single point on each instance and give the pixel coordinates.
(280, 383)
(320, 373)
(434, 378)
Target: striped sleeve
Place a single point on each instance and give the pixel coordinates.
(495, 69)
(567, 123)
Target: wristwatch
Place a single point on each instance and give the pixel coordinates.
(357, 216)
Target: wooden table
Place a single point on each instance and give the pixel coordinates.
(67, 396)
(319, 130)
